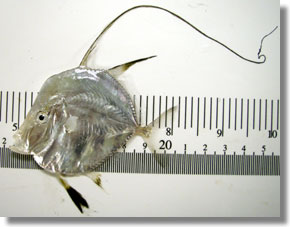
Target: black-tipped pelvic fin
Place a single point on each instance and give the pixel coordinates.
(119, 69)
(76, 197)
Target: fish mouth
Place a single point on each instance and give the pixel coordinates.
(17, 149)
(19, 146)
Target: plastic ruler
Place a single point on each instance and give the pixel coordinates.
(220, 119)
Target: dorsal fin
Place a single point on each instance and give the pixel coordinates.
(94, 44)
(119, 69)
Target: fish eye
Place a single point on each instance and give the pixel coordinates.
(42, 117)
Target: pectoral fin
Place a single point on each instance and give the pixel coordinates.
(119, 69)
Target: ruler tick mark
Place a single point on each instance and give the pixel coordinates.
(134, 105)
(0, 105)
(166, 104)
(146, 110)
(140, 110)
(197, 126)
(271, 115)
(18, 118)
(278, 116)
(217, 112)
(153, 110)
(247, 134)
(31, 99)
(266, 113)
(179, 111)
(254, 112)
(185, 111)
(172, 115)
(191, 112)
(25, 101)
(160, 103)
(260, 114)
(235, 113)
(223, 115)
(12, 105)
(204, 111)
(229, 124)
(242, 105)
(6, 117)
(210, 120)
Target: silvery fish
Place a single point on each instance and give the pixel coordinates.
(82, 116)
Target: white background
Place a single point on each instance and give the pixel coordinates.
(54, 33)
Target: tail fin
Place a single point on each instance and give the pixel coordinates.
(149, 133)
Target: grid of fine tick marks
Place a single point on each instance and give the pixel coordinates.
(211, 113)
(190, 164)
(191, 112)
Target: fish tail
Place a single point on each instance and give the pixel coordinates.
(145, 131)
(149, 134)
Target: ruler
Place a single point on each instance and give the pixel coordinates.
(197, 164)
(222, 136)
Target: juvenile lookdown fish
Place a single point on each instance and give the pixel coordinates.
(82, 116)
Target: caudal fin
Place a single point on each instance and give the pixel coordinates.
(149, 135)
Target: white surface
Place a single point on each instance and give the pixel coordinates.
(46, 37)
(141, 195)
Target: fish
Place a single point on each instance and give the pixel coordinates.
(76, 113)
(82, 116)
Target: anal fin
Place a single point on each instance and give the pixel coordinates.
(96, 178)
(119, 69)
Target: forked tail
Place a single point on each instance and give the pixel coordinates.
(149, 134)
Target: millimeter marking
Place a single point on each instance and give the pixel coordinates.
(187, 164)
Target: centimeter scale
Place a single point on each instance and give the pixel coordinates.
(205, 135)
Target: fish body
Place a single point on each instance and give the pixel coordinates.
(79, 119)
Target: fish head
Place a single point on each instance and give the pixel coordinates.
(33, 130)
(40, 128)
